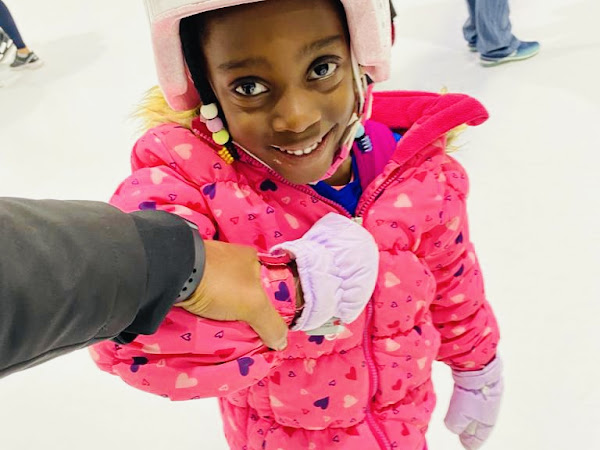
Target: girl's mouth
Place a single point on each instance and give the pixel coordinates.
(314, 147)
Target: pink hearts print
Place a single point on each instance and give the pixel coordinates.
(283, 293)
(210, 190)
(224, 352)
(460, 271)
(276, 378)
(137, 362)
(244, 365)
(261, 241)
(316, 339)
(186, 337)
(322, 403)
(147, 205)
(421, 176)
(351, 375)
(268, 185)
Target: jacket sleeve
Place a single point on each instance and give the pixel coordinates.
(188, 357)
(460, 311)
(73, 273)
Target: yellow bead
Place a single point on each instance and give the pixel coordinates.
(225, 155)
(221, 137)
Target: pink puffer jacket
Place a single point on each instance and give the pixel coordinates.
(370, 387)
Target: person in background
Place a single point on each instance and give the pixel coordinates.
(5, 43)
(25, 57)
(488, 31)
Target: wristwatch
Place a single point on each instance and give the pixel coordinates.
(193, 280)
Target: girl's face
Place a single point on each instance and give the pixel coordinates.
(282, 73)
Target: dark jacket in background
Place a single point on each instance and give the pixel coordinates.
(73, 273)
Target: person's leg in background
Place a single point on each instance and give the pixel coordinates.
(9, 26)
(25, 58)
(490, 30)
(5, 43)
(469, 28)
(494, 31)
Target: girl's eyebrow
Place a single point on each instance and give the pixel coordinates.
(242, 63)
(260, 61)
(319, 44)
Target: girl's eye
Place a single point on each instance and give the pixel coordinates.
(322, 70)
(250, 88)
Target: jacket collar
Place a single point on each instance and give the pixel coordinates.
(425, 116)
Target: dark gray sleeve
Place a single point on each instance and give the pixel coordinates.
(73, 273)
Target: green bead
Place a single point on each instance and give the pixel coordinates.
(221, 137)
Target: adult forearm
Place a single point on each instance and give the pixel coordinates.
(73, 273)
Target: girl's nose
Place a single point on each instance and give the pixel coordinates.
(295, 112)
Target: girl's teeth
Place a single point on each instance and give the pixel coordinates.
(306, 151)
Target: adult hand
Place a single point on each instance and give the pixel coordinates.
(231, 289)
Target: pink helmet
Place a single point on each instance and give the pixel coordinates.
(369, 23)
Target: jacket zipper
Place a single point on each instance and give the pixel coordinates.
(380, 436)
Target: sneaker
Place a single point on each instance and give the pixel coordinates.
(525, 50)
(472, 47)
(29, 61)
(5, 43)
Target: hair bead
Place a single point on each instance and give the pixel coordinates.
(225, 155)
(214, 125)
(209, 111)
(364, 144)
(221, 137)
(360, 131)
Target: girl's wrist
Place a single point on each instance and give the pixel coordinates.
(298, 285)
(299, 293)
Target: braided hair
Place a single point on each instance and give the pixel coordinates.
(194, 57)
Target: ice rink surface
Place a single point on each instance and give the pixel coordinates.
(534, 211)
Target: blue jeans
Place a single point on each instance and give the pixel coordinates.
(488, 27)
(8, 25)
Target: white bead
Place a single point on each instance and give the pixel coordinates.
(209, 111)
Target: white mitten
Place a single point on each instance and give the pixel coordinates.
(338, 262)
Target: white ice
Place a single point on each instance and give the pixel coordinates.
(65, 133)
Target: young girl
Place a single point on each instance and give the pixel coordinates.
(288, 132)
